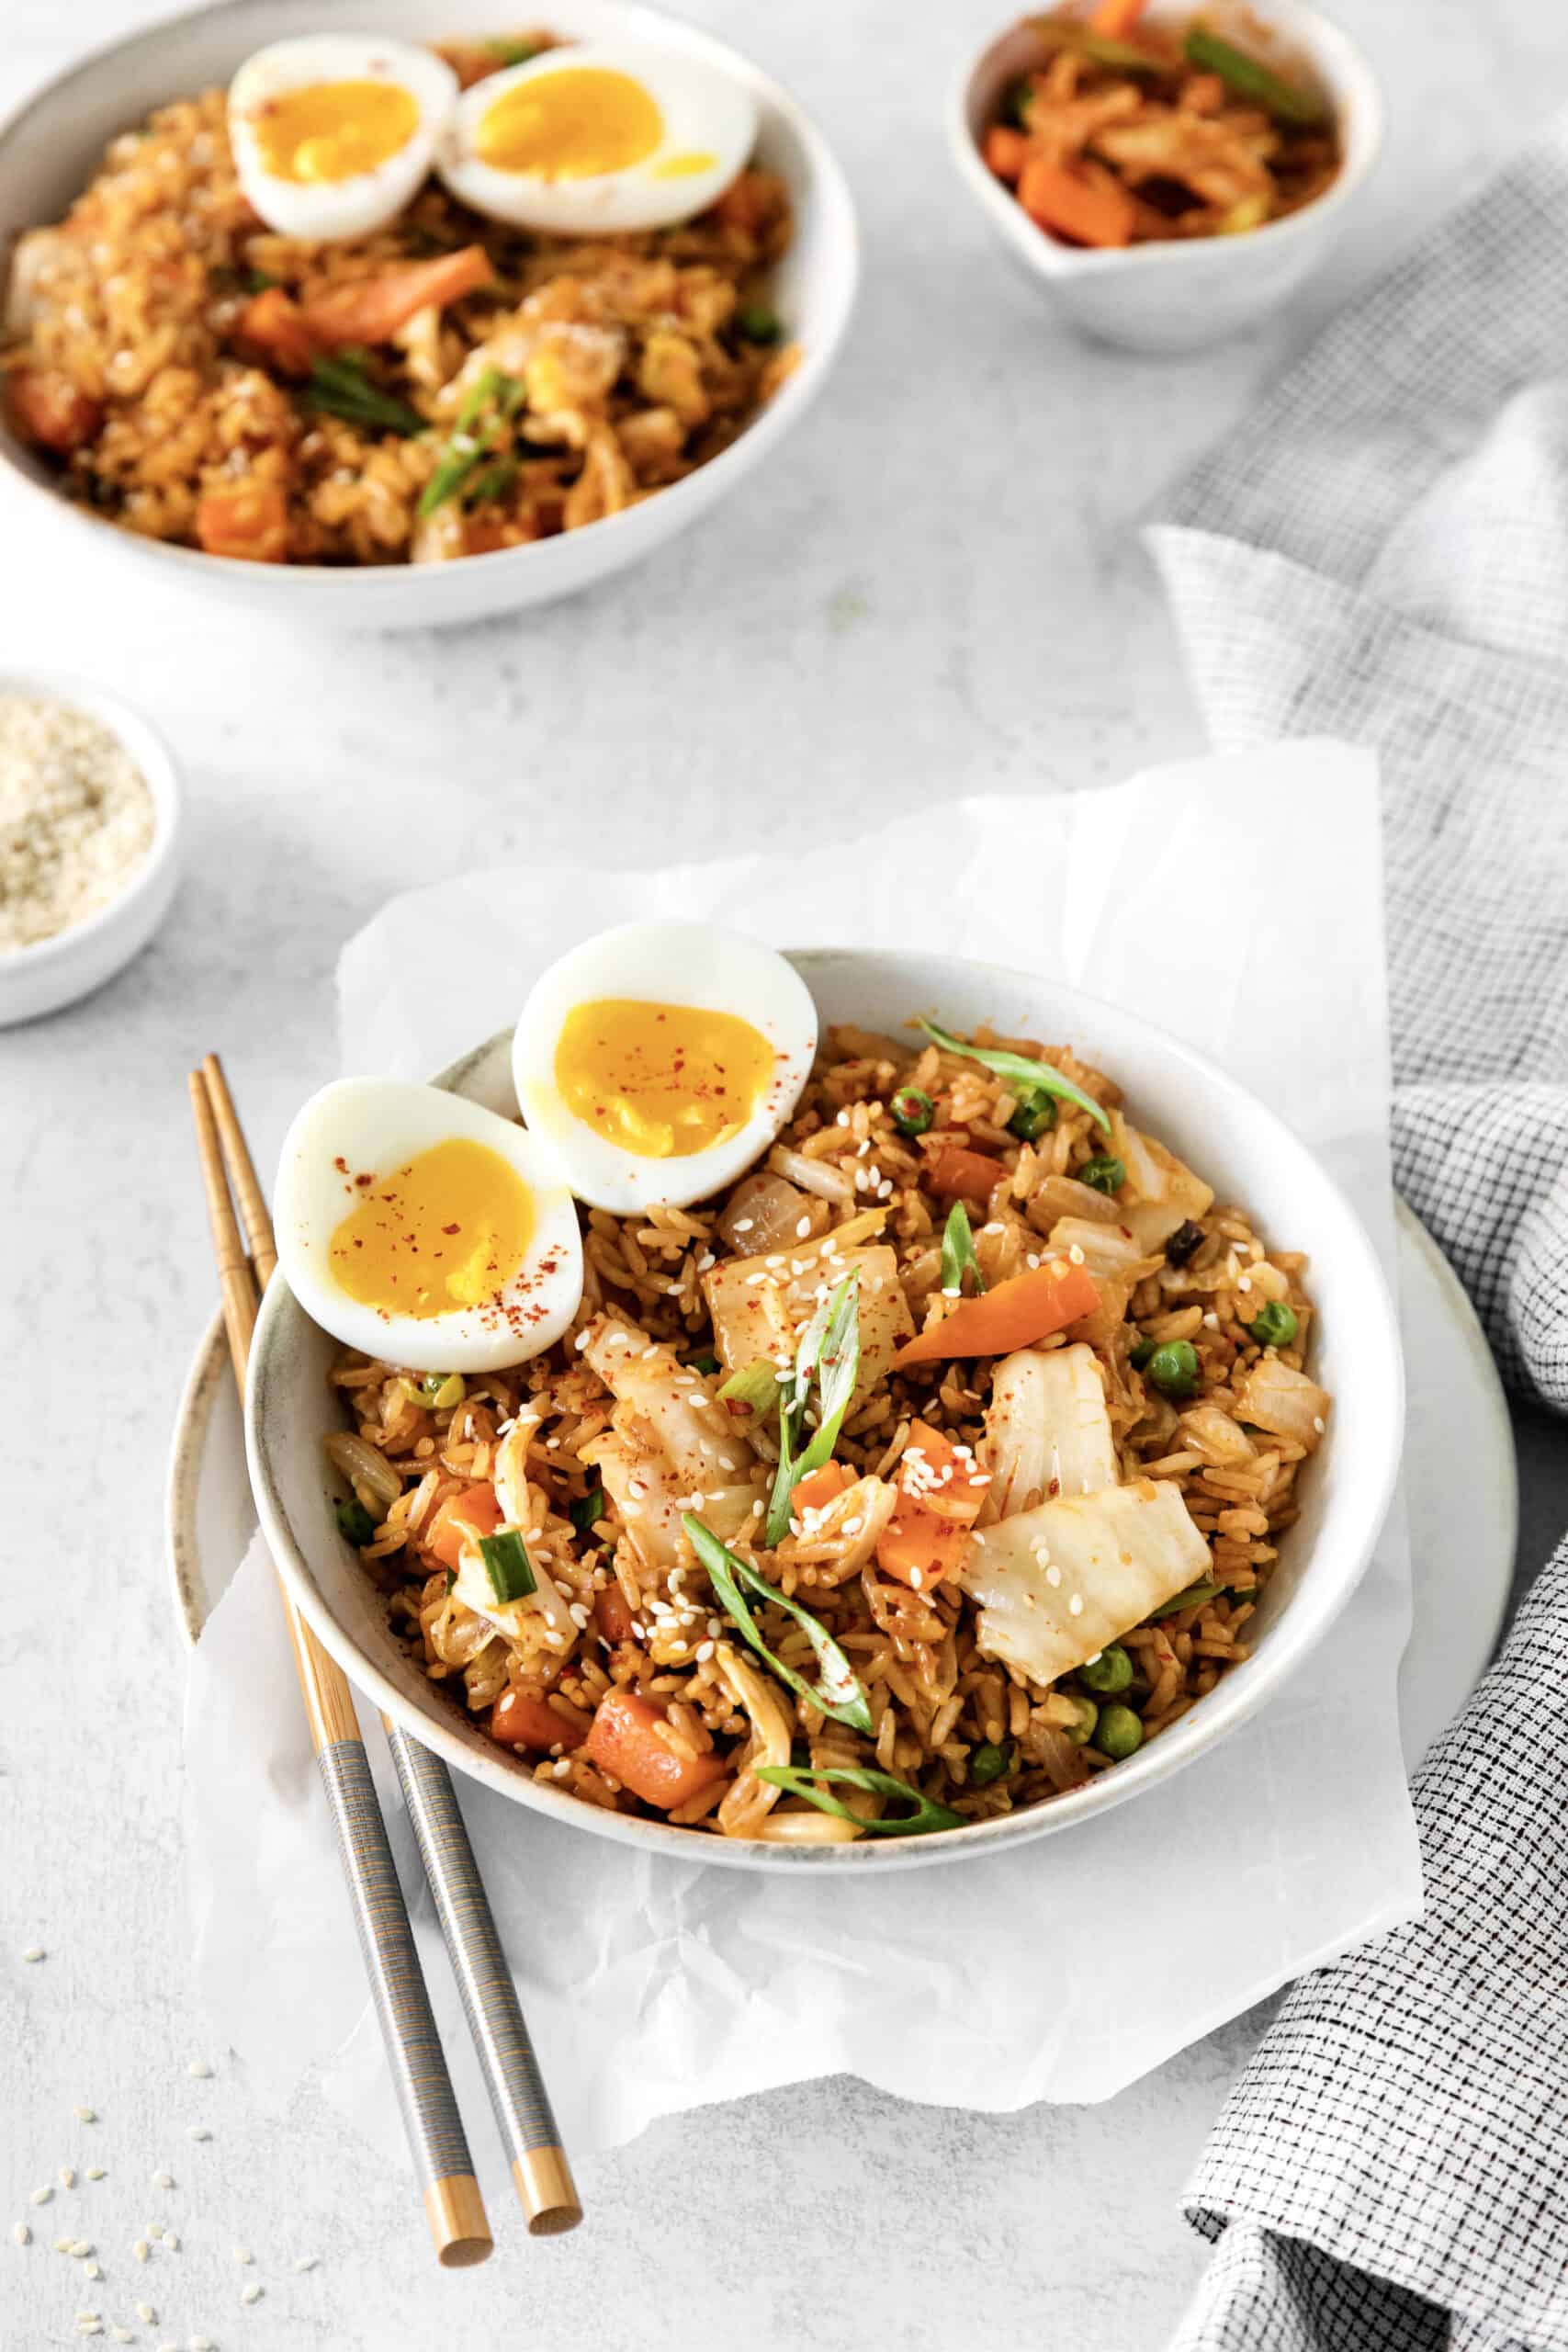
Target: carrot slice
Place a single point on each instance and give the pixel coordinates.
(940, 1489)
(820, 1488)
(273, 324)
(50, 409)
(1006, 151)
(1026, 1307)
(626, 1742)
(960, 1174)
(373, 309)
(519, 1721)
(251, 520)
(474, 1513)
(1096, 213)
(1114, 20)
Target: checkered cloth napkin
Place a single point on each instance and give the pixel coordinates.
(1381, 553)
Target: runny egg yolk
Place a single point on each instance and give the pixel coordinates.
(662, 1081)
(575, 125)
(445, 1230)
(333, 130)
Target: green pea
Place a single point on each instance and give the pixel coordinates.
(438, 1390)
(913, 1110)
(356, 1522)
(758, 322)
(1105, 1174)
(1034, 1115)
(1173, 1368)
(992, 1760)
(1111, 1671)
(1082, 1732)
(1120, 1733)
(1274, 1325)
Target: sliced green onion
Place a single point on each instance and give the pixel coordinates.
(356, 1522)
(992, 1760)
(1188, 1600)
(756, 1388)
(514, 53)
(838, 1692)
(1105, 1174)
(507, 1565)
(1251, 79)
(913, 1110)
(439, 1390)
(828, 1356)
(1138, 1356)
(758, 322)
(1275, 1324)
(1032, 1116)
(798, 1780)
(1035, 1078)
(451, 1578)
(1120, 56)
(473, 436)
(586, 1513)
(958, 1251)
(257, 281)
(493, 483)
(343, 388)
(706, 1366)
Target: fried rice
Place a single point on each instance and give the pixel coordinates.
(628, 1611)
(151, 347)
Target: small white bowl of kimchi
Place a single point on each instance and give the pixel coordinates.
(1166, 174)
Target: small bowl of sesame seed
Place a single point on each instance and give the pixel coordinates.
(90, 840)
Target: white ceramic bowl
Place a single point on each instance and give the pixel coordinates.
(1242, 1148)
(38, 980)
(1193, 292)
(50, 148)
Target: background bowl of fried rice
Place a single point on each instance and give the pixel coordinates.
(50, 147)
(1215, 1124)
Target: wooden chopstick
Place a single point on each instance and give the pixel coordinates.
(453, 2206)
(540, 2171)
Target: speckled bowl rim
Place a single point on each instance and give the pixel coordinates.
(1235, 1701)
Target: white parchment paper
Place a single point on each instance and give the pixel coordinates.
(1235, 900)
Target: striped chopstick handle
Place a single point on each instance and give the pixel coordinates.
(398, 1991)
(517, 2092)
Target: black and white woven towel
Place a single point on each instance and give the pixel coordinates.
(1383, 554)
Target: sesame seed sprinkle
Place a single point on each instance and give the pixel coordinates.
(141, 2250)
(163, 2180)
(305, 2262)
(96, 2172)
(86, 2114)
(253, 2293)
(198, 2132)
(34, 1952)
(242, 2254)
(21, 2233)
(91, 2270)
(67, 2176)
(40, 2196)
(199, 2068)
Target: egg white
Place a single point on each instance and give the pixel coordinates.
(670, 962)
(330, 210)
(703, 111)
(376, 1126)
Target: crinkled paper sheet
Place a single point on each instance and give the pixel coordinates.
(1235, 900)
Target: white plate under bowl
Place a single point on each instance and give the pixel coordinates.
(1462, 1491)
(1242, 1146)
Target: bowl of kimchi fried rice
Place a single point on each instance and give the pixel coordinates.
(1208, 1449)
(1159, 204)
(139, 398)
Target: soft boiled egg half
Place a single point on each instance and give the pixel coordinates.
(333, 135)
(424, 1229)
(595, 138)
(659, 1060)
